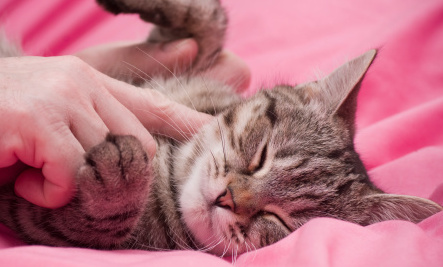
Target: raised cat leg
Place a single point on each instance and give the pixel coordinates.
(205, 21)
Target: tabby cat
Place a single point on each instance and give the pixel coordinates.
(263, 167)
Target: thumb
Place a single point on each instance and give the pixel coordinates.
(141, 60)
(34, 187)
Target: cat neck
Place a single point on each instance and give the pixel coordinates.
(161, 226)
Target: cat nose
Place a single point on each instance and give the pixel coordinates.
(225, 200)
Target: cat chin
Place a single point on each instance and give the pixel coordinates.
(193, 207)
(228, 249)
(221, 239)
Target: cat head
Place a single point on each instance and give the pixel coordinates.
(268, 165)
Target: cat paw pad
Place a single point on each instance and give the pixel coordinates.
(118, 165)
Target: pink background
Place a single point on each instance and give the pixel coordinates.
(400, 114)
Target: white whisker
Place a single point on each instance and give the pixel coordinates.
(186, 123)
(173, 74)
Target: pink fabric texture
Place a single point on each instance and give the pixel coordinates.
(399, 118)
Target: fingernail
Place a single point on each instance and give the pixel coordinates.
(151, 150)
(176, 45)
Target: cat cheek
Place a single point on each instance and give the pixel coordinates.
(264, 232)
(196, 217)
(193, 204)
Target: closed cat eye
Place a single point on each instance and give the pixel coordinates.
(259, 160)
(275, 218)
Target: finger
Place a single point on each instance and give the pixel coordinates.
(141, 60)
(88, 128)
(53, 185)
(10, 173)
(156, 112)
(120, 120)
(32, 185)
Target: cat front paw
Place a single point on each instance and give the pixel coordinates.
(115, 176)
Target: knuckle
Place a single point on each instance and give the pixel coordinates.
(74, 62)
(71, 77)
(76, 69)
(161, 103)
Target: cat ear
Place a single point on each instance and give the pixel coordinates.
(382, 207)
(338, 91)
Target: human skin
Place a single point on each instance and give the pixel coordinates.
(54, 109)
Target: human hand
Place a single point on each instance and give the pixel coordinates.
(135, 61)
(54, 122)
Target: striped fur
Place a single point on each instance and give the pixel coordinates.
(260, 170)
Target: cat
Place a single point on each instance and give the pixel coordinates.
(262, 168)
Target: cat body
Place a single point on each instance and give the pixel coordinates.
(262, 168)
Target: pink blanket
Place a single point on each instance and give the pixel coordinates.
(400, 115)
